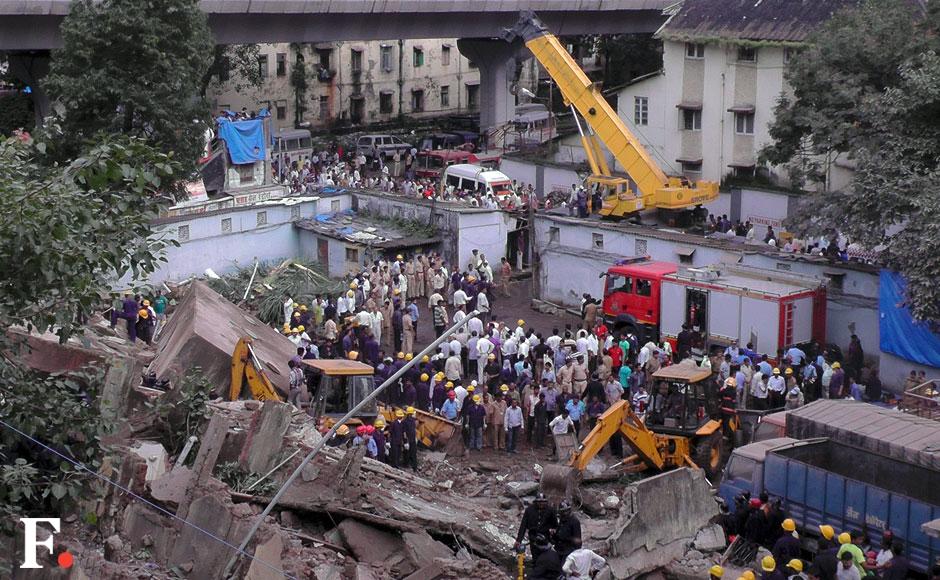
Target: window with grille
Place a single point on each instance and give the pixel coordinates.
(445, 55)
(744, 123)
(226, 225)
(694, 50)
(182, 233)
(261, 218)
(639, 247)
(445, 96)
(385, 57)
(641, 110)
(418, 57)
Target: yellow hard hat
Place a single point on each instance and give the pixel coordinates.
(350, 293)
(409, 356)
(776, 371)
(301, 328)
(730, 382)
(303, 307)
(827, 531)
(399, 257)
(297, 315)
(293, 330)
(477, 398)
(504, 388)
(379, 423)
(748, 575)
(491, 356)
(449, 385)
(343, 430)
(796, 564)
(353, 284)
(768, 564)
(716, 571)
(353, 355)
(845, 538)
(400, 355)
(425, 358)
(520, 322)
(411, 411)
(287, 325)
(788, 525)
(425, 377)
(439, 375)
(471, 278)
(399, 413)
(789, 371)
(396, 291)
(471, 388)
(837, 365)
(296, 306)
(287, 329)
(143, 313)
(146, 303)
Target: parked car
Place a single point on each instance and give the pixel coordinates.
(385, 144)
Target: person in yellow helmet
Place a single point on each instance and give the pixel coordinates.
(795, 569)
(476, 419)
(787, 545)
(768, 566)
(849, 544)
(353, 355)
(396, 438)
(411, 439)
(748, 575)
(716, 572)
(144, 325)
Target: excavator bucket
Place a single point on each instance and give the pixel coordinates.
(433, 431)
(559, 482)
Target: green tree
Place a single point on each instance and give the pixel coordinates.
(133, 67)
(234, 63)
(848, 62)
(69, 231)
(625, 56)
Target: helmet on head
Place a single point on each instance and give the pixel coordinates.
(361, 430)
(789, 371)
(776, 371)
(144, 313)
(400, 414)
(303, 307)
(795, 564)
(424, 377)
(451, 394)
(845, 538)
(730, 382)
(399, 257)
(409, 356)
(343, 430)
(768, 564)
(520, 322)
(353, 355)
(788, 525)
(504, 388)
(449, 384)
(827, 531)
(301, 328)
(379, 423)
(471, 388)
(748, 575)
(716, 571)
(410, 411)
(425, 358)
(837, 365)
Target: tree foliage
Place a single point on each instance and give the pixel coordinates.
(626, 56)
(236, 64)
(868, 88)
(133, 67)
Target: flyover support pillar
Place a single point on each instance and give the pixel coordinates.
(496, 60)
(31, 68)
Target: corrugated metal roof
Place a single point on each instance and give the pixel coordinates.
(883, 431)
(773, 20)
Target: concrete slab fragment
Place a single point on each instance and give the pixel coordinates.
(269, 553)
(267, 436)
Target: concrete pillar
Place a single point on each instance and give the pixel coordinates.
(496, 60)
(30, 68)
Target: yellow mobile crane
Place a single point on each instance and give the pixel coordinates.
(602, 124)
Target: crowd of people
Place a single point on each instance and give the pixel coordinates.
(760, 522)
(143, 317)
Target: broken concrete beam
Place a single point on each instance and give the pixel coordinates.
(267, 552)
(155, 456)
(266, 436)
(422, 548)
(171, 488)
(377, 547)
(710, 539)
(145, 528)
(521, 488)
(204, 464)
(658, 518)
(214, 516)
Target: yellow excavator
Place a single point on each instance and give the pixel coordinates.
(677, 430)
(246, 368)
(598, 123)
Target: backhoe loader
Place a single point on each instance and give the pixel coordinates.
(677, 430)
(246, 368)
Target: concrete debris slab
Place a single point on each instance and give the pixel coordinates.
(364, 572)
(710, 539)
(522, 488)
(268, 552)
(266, 436)
(658, 518)
(155, 456)
(213, 515)
(145, 528)
(171, 488)
(377, 547)
(328, 572)
(203, 332)
(113, 547)
(423, 549)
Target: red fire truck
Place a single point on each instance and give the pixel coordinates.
(773, 310)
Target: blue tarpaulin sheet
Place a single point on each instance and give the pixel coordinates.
(900, 334)
(244, 140)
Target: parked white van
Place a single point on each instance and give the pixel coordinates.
(476, 178)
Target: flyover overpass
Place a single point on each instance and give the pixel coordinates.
(30, 28)
(34, 24)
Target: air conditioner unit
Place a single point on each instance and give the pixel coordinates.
(703, 274)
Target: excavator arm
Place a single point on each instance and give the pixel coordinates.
(619, 418)
(656, 189)
(247, 367)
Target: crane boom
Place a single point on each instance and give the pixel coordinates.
(655, 188)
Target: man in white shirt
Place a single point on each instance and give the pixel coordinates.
(513, 425)
(581, 562)
(452, 367)
(485, 347)
(759, 391)
(483, 305)
(562, 423)
(475, 325)
(777, 385)
(460, 393)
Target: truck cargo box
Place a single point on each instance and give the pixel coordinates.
(883, 431)
(827, 482)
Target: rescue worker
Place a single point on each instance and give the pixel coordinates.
(340, 438)
(538, 518)
(795, 570)
(396, 435)
(715, 572)
(568, 532)
(449, 409)
(826, 562)
(379, 436)
(788, 545)
(777, 387)
(769, 569)
(499, 419)
(411, 437)
(727, 398)
(547, 566)
(476, 418)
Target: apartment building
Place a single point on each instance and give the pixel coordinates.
(707, 113)
(357, 82)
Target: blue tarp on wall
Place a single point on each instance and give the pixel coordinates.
(900, 334)
(244, 140)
